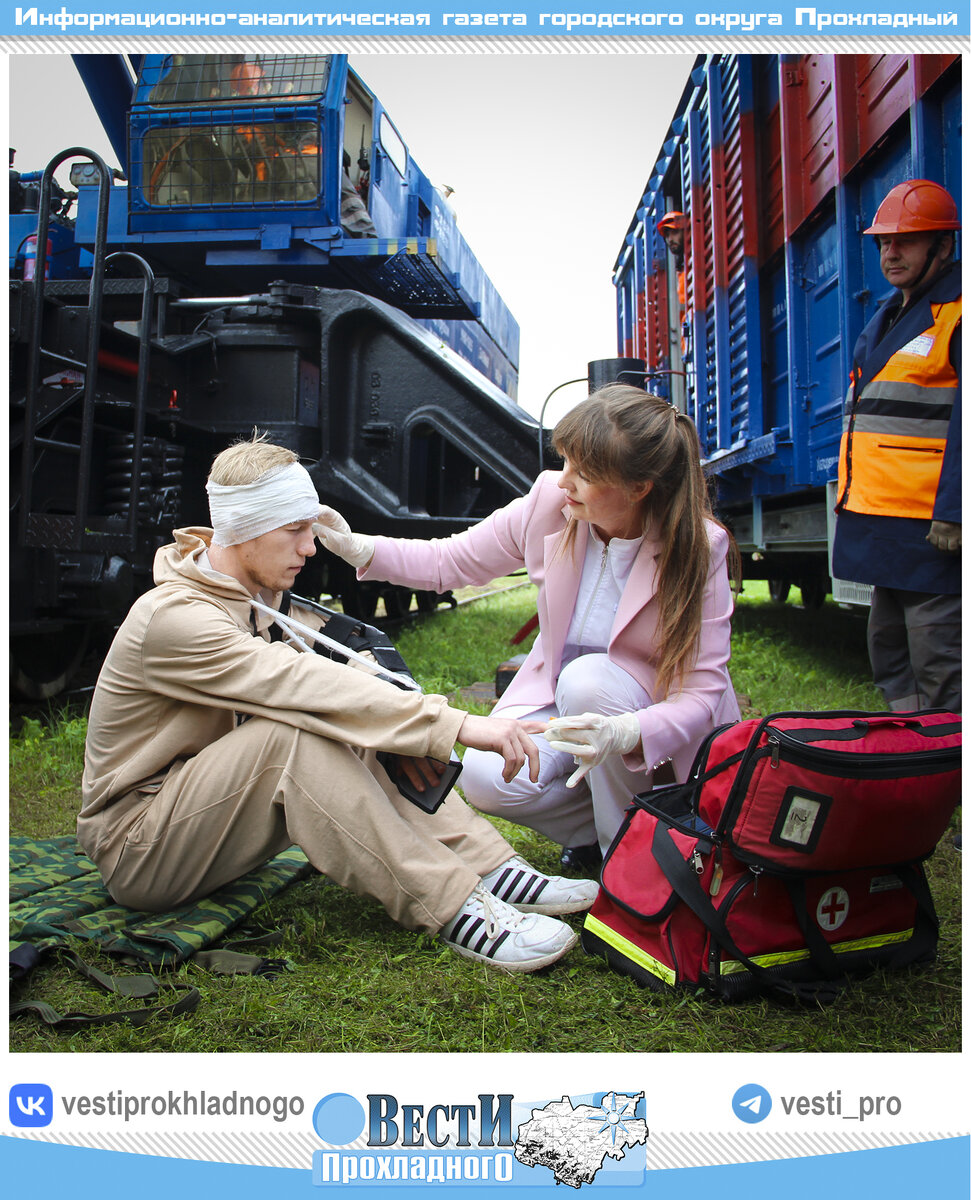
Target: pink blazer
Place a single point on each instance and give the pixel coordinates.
(527, 532)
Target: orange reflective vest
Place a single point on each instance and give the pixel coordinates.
(896, 423)
(682, 313)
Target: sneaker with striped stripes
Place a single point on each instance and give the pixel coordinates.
(491, 932)
(529, 890)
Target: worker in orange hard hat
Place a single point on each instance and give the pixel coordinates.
(247, 79)
(898, 521)
(914, 229)
(672, 227)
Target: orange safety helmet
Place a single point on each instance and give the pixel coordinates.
(672, 220)
(915, 206)
(246, 79)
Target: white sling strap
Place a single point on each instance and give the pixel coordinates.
(298, 632)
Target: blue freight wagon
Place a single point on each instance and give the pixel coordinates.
(270, 256)
(778, 162)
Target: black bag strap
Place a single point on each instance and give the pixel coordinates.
(133, 987)
(685, 882)
(23, 959)
(926, 924)
(233, 962)
(820, 951)
(353, 633)
(133, 1016)
(657, 800)
(862, 725)
(276, 633)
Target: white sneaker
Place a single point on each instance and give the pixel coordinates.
(530, 891)
(491, 932)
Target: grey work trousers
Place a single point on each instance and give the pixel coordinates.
(914, 640)
(266, 786)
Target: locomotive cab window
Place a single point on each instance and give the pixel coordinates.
(205, 151)
(392, 145)
(194, 79)
(272, 162)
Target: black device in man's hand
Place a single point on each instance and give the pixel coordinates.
(363, 638)
(432, 798)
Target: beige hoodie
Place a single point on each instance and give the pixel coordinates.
(185, 662)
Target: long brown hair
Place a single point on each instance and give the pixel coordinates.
(625, 437)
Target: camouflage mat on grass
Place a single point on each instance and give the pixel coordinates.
(56, 894)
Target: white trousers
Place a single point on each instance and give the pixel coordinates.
(593, 810)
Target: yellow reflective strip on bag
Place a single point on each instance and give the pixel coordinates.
(629, 950)
(732, 967)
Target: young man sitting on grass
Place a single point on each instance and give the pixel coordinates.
(212, 747)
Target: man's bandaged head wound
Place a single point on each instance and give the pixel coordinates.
(240, 512)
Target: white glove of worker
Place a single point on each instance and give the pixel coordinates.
(333, 532)
(591, 737)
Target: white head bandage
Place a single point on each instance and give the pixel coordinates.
(243, 511)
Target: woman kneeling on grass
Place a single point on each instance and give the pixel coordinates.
(630, 667)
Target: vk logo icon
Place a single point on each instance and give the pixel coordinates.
(31, 1105)
(751, 1103)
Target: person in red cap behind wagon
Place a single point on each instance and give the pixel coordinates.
(898, 521)
(672, 228)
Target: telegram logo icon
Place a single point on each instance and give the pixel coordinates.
(751, 1103)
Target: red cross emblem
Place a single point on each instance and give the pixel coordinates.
(833, 908)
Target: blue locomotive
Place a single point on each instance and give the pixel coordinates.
(272, 257)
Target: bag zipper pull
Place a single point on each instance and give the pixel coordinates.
(776, 750)
(717, 874)
(697, 863)
(756, 871)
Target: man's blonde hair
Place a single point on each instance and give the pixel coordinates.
(247, 461)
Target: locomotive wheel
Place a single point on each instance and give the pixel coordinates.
(813, 592)
(43, 664)
(359, 599)
(779, 590)
(427, 601)
(397, 602)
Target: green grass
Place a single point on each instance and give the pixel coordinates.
(788, 657)
(360, 983)
(46, 760)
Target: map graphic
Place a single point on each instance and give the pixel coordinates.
(573, 1142)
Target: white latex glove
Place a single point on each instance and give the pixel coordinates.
(333, 532)
(591, 738)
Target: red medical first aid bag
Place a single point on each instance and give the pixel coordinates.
(789, 860)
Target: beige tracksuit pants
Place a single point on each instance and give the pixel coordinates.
(266, 786)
